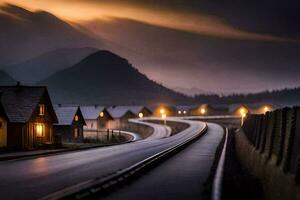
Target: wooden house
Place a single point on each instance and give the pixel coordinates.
(29, 117)
(139, 111)
(70, 124)
(209, 110)
(183, 110)
(120, 115)
(239, 110)
(160, 110)
(96, 117)
(3, 127)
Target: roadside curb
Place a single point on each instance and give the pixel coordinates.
(98, 185)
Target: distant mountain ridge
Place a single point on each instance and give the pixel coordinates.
(43, 66)
(106, 78)
(25, 34)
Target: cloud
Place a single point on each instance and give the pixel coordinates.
(147, 12)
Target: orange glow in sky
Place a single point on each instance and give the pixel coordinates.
(81, 11)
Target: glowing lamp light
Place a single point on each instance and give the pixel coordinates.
(242, 111)
(162, 111)
(179, 112)
(184, 112)
(39, 130)
(266, 109)
(141, 115)
(164, 116)
(102, 114)
(202, 111)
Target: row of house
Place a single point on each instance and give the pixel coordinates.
(212, 110)
(29, 119)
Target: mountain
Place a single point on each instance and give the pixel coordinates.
(43, 66)
(5, 79)
(106, 78)
(25, 34)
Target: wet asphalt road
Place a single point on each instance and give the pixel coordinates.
(37, 177)
(180, 177)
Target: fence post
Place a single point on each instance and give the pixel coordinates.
(269, 135)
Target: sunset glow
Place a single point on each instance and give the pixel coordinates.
(82, 11)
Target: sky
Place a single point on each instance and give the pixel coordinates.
(209, 45)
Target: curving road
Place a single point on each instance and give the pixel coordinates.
(180, 177)
(37, 177)
(160, 131)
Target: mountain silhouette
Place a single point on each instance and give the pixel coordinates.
(107, 79)
(43, 66)
(25, 34)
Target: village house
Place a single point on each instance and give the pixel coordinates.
(160, 110)
(70, 124)
(120, 115)
(209, 110)
(183, 110)
(26, 117)
(140, 111)
(96, 117)
(239, 110)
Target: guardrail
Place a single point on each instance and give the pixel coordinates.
(277, 135)
(218, 179)
(97, 186)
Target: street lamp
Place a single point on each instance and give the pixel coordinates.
(243, 115)
(266, 109)
(164, 116)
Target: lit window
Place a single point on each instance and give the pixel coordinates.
(202, 111)
(76, 118)
(40, 130)
(102, 114)
(42, 109)
(179, 112)
(141, 115)
(184, 112)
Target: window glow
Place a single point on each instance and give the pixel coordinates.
(40, 130)
(184, 112)
(179, 112)
(202, 111)
(102, 114)
(163, 116)
(141, 115)
(76, 118)
(41, 109)
(266, 109)
(162, 111)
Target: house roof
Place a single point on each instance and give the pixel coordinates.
(119, 111)
(19, 102)
(91, 112)
(66, 115)
(135, 109)
(184, 107)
